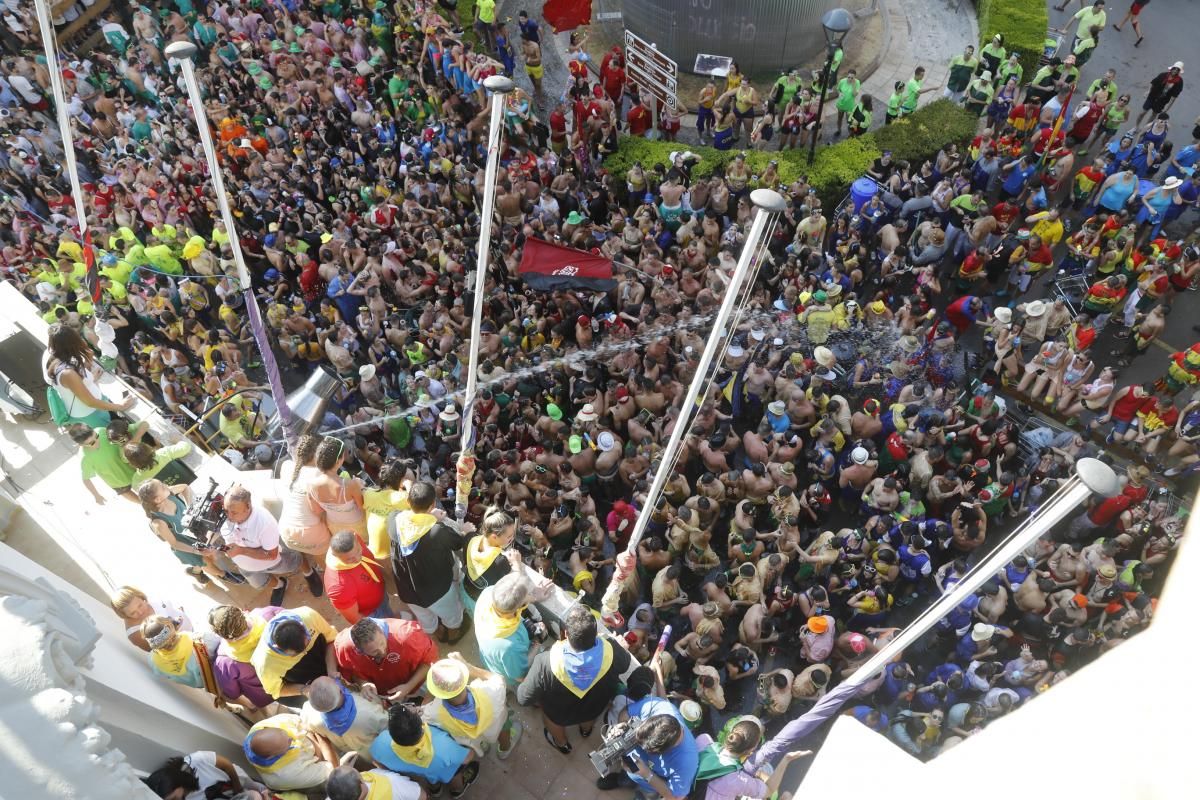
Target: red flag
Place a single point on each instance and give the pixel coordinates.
(565, 15)
(91, 277)
(547, 267)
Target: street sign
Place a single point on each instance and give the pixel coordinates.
(650, 70)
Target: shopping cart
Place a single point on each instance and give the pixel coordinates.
(1051, 45)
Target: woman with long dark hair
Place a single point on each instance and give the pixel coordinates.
(73, 371)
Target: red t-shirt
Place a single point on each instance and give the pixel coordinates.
(1005, 212)
(1126, 408)
(639, 120)
(408, 648)
(359, 588)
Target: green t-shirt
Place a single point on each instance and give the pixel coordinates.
(912, 92)
(104, 461)
(789, 87)
(1008, 70)
(162, 457)
(397, 86)
(893, 107)
(847, 90)
(1087, 18)
(486, 9)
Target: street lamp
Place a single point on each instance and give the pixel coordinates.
(836, 22)
(183, 52)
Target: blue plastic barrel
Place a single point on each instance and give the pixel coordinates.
(861, 191)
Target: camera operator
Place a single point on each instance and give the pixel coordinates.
(251, 538)
(666, 758)
(165, 506)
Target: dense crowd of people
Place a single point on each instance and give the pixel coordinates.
(869, 428)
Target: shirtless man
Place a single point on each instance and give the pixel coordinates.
(583, 461)
(1067, 566)
(883, 495)
(857, 475)
(647, 397)
(757, 484)
(531, 52)
(697, 648)
(757, 628)
(1032, 596)
(783, 474)
(994, 602)
(607, 462)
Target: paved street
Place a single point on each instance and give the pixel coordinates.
(1169, 27)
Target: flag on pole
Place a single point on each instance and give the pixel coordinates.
(566, 15)
(91, 277)
(549, 267)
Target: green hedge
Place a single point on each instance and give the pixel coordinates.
(466, 21)
(1023, 23)
(836, 166)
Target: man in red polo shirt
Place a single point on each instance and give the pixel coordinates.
(393, 654)
(354, 580)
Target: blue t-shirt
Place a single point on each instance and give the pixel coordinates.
(1187, 157)
(448, 756)
(1014, 183)
(678, 765)
(968, 648)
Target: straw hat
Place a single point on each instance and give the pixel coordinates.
(366, 372)
(982, 632)
(447, 678)
(824, 356)
(859, 455)
(777, 407)
(909, 343)
(449, 413)
(1035, 309)
(587, 413)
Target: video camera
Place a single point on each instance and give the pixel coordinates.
(205, 518)
(613, 755)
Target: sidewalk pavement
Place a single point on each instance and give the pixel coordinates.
(925, 34)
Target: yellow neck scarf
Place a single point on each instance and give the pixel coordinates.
(558, 667)
(411, 526)
(480, 556)
(241, 649)
(379, 787)
(420, 754)
(491, 625)
(369, 564)
(174, 660)
(461, 730)
(287, 724)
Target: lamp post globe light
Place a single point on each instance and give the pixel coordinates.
(836, 23)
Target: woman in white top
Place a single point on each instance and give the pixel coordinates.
(70, 366)
(301, 523)
(191, 777)
(134, 608)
